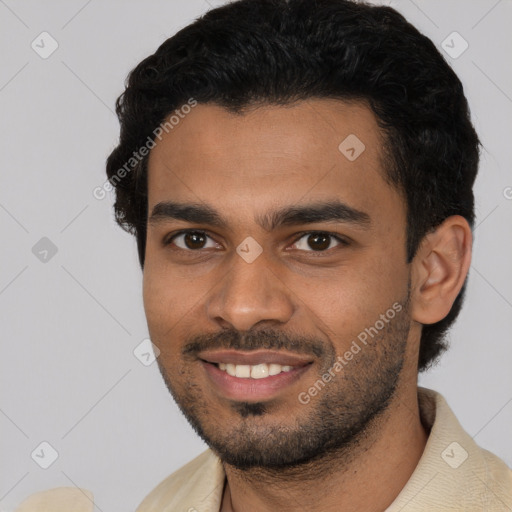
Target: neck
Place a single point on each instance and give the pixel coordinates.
(368, 475)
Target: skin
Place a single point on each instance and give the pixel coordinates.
(244, 166)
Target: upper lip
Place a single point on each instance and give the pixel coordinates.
(254, 357)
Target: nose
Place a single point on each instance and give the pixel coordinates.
(250, 294)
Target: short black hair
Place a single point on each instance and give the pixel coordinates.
(276, 52)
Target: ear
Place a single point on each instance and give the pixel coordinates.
(439, 269)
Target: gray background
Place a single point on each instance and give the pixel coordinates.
(70, 324)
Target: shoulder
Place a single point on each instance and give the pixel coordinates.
(497, 477)
(59, 499)
(199, 483)
(465, 476)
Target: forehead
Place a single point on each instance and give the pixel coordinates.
(313, 150)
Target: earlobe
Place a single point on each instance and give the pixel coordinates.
(439, 269)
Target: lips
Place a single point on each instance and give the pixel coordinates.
(255, 375)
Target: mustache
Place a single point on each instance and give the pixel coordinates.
(253, 340)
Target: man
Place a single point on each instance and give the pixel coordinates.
(298, 175)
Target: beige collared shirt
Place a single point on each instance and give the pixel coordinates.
(454, 473)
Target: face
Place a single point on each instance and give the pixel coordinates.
(275, 282)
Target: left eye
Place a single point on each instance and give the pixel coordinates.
(318, 242)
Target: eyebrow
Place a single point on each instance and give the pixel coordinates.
(198, 213)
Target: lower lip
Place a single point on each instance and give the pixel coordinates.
(236, 388)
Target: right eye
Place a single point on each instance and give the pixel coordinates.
(190, 240)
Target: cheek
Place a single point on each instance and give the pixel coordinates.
(384, 270)
(166, 300)
(164, 314)
(174, 307)
(355, 296)
(164, 289)
(340, 309)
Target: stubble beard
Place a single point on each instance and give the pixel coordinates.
(346, 412)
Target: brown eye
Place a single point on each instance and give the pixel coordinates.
(192, 240)
(318, 242)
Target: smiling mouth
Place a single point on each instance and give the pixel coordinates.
(253, 375)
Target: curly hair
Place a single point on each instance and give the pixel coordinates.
(276, 52)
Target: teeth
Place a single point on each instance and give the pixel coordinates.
(243, 371)
(274, 369)
(257, 371)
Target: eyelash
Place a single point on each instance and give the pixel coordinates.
(343, 241)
